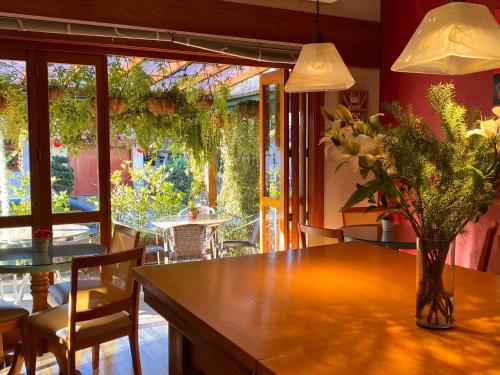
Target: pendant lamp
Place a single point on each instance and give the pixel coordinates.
(456, 38)
(319, 67)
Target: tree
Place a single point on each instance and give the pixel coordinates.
(13, 121)
(63, 173)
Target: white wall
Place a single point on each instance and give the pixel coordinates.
(340, 185)
(359, 9)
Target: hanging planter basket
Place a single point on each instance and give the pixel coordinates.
(3, 103)
(116, 106)
(56, 94)
(248, 108)
(161, 106)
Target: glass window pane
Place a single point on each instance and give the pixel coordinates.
(271, 135)
(73, 137)
(15, 197)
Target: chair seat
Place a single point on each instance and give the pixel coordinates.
(55, 322)
(230, 244)
(9, 311)
(59, 293)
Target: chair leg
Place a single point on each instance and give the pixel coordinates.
(95, 357)
(71, 362)
(24, 285)
(30, 348)
(60, 353)
(134, 351)
(17, 361)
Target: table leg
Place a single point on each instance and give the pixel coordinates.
(39, 291)
(178, 348)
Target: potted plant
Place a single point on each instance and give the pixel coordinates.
(56, 91)
(165, 102)
(437, 183)
(192, 210)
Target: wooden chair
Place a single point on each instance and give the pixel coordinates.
(92, 317)
(187, 243)
(359, 216)
(124, 238)
(251, 242)
(304, 230)
(11, 319)
(487, 246)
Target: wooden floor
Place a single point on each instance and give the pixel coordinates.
(115, 355)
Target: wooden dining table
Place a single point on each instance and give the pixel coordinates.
(338, 309)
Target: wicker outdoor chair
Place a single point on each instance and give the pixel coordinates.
(187, 243)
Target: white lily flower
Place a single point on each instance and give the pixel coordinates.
(488, 129)
(353, 147)
(374, 118)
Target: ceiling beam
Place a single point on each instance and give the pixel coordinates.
(207, 71)
(358, 41)
(167, 70)
(248, 73)
(128, 64)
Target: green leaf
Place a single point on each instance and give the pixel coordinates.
(362, 192)
(383, 200)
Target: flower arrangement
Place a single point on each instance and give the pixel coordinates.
(42, 239)
(43, 233)
(439, 183)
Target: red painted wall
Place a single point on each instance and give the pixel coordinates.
(85, 168)
(399, 20)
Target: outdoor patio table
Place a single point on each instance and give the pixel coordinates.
(39, 263)
(212, 221)
(338, 309)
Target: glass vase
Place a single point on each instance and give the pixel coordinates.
(435, 283)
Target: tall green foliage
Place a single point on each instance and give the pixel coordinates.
(137, 196)
(239, 194)
(439, 183)
(63, 173)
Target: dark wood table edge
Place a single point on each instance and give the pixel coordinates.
(183, 325)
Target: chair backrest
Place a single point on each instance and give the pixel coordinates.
(255, 232)
(304, 230)
(115, 291)
(188, 241)
(124, 238)
(487, 246)
(202, 210)
(359, 216)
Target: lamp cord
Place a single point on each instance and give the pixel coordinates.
(317, 36)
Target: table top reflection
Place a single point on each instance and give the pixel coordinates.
(28, 259)
(401, 236)
(22, 235)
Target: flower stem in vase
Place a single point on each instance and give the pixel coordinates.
(435, 283)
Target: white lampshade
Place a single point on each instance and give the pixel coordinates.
(319, 68)
(456, 38)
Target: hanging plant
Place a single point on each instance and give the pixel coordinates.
(56, 93)
(166, 102)
(3, 103)
(248, 108)
(116, 106)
